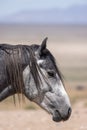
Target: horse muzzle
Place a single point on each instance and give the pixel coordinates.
(57, 116)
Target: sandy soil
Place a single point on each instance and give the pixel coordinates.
(40, 120)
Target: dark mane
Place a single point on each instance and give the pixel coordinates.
(14, 69)
(13, 66)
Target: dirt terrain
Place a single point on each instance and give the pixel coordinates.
(40, 120)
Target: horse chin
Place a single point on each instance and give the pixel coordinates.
(56, 118)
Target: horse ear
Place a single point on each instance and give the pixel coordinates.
(42, 47)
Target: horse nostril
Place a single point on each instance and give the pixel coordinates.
(69, 111)
(68, 114)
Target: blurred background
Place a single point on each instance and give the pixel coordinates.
(65, 25)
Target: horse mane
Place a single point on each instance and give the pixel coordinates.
(14, 70)
(13, 66)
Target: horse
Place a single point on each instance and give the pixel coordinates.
(31, 70)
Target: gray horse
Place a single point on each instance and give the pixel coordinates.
(32, 71)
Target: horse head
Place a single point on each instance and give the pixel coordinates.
(51, 94)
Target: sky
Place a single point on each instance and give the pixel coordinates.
(8, 7)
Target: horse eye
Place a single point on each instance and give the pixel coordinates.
(51, 73)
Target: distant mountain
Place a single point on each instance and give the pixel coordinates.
(75, 15)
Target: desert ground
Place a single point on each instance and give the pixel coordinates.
(40, 120)
(68, 44)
